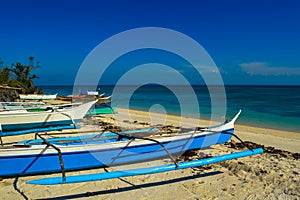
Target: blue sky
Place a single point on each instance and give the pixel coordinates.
(251, 42)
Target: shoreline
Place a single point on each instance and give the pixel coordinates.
(280, 139)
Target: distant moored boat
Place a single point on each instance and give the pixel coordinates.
(37, 96)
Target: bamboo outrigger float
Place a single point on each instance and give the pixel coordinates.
(143, 171)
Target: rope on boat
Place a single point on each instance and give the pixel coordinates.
(131, 138)
(62, 166)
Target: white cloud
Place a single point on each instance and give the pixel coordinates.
(205, 68)
(262, 68)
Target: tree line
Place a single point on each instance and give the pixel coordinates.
(20, 75)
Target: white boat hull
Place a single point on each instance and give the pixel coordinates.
(13, 121)
(37, 96)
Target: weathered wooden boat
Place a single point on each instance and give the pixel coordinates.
(12, 123)
(37, 96)
(48, 157)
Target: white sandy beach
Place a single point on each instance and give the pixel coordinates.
(273, 175)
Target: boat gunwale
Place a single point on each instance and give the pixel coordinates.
(73, 149)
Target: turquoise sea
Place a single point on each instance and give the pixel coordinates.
(276, 107)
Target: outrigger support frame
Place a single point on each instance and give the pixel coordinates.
(62, 166)
(131, 138)
(229, 133)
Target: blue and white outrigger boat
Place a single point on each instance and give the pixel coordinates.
(42, 157)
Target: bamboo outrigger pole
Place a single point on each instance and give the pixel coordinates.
(143, 171)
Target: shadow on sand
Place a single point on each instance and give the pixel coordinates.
(132, 187)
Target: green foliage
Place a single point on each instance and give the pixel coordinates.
(19, 75)
(1, 63)
(4, 76)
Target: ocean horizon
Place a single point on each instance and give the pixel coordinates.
(266, 106)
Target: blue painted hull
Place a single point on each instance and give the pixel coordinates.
(45, 162)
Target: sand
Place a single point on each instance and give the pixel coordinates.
(284, 140)
(271, 175)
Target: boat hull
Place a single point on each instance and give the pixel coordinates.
(37, 96)
(41, 160)
(15, 121)
(101, 110)
(35, 125)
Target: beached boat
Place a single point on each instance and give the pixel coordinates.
(12, 123)
(143, 171)
(41, 158)
(100, 110)
(102, 106)
(90, 93)
(7, 105)
(15, 107)
(37, 96)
